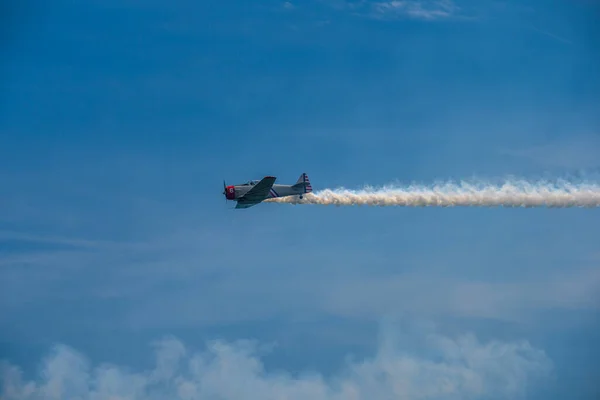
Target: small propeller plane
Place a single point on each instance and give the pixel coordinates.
(254, 192)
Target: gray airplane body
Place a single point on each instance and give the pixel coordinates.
(254, 192)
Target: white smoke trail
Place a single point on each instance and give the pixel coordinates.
(512, 193)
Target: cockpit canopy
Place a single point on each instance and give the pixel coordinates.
(251, 183)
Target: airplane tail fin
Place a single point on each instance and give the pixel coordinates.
(304, 182)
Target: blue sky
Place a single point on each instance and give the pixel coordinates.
(120, 119)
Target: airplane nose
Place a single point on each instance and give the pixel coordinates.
(229, 193)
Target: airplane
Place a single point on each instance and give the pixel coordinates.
(254, 192)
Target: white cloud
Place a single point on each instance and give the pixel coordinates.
(460, 367)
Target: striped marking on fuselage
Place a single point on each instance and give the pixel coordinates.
(274, 193)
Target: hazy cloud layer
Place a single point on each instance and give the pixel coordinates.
(170, 267)
(509, 301)
(455, 368)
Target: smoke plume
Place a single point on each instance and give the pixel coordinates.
(511, 193)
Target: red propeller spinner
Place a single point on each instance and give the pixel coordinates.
(229, 191)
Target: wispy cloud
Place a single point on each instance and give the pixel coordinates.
(55, 240)
(417, 9)
(428, 10)
(551, 35)
(456, 367)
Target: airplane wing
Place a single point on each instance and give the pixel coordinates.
(257, 194)
(245, 205)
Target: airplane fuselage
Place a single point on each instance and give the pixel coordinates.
(234, 192)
